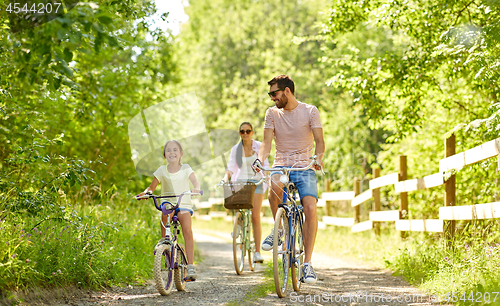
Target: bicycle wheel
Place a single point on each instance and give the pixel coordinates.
(163, 269)
(298, 255)
(281, 253)
(251, 246)
(239, 243)
(180, 270)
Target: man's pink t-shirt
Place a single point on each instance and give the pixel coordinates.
(293, 133)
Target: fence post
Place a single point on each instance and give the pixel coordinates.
(403, 196)
(376, 201)
(449, 195)
(328, 204)
(357, 209)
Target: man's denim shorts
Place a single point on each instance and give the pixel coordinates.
(305, 181)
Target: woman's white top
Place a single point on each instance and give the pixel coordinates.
(246, 171)
(237, 172)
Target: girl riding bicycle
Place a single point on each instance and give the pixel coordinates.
(175, 178)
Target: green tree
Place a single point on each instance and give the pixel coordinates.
(230, 49)
(435, 71)
(78, 79)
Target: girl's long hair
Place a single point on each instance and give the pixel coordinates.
(165, 148)
(239, 148)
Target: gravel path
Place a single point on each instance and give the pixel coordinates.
(340, 282)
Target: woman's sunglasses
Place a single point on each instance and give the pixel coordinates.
(242, 132)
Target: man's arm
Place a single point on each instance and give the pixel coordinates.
(320, 145)
(265, 147)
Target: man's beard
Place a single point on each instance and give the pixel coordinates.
(282, 102)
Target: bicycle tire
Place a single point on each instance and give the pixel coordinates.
(281, 258)
(298, 255)
(163, 269)
(180, 268)
(239, 243)
(251, 244)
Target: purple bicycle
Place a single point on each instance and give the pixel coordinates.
(170, 265)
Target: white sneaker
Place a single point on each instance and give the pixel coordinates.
(267, 244)
(191, 273)
(309, 275)
(258, 258)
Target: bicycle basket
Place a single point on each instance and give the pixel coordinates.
(239, 195)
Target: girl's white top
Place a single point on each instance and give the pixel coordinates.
(176, 183)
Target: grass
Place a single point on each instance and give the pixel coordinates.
(81, 245)
(110, 243)
(470, 265)
(364, 246)
(261, 290)
(465, 267)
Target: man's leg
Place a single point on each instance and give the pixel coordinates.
(308, 190)
(275, 194)
(310, 226)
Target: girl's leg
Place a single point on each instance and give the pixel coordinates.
(164, 220)
(187, 232)
(257, 231)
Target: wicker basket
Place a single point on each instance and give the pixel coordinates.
(239, 195)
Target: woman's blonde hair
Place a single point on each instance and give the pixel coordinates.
(165, 148)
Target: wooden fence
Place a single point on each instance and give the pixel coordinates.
(448, 214)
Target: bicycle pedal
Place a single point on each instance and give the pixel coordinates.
(190, 279)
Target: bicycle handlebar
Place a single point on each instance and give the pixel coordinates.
(151, 195)
(258, 165)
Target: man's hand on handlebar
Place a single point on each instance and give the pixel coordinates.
(256, 165)
(319, 165)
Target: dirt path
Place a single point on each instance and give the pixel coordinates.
(340, 282)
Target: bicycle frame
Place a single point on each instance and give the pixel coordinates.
(170, 237)
(247, 244)
(246, 233)
(293, 212)
(295, 220)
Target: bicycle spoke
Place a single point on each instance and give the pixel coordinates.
(181, 268)
(239, 243)
(299, 256)
(281, 264)
(162, 269)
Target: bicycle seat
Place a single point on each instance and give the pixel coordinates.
(292, 188)
(167, 208)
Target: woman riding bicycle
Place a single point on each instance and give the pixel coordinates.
(240, 169)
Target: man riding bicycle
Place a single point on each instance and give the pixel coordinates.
(296, 126)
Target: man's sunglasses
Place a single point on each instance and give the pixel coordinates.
(242, 132)
(272, 94)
